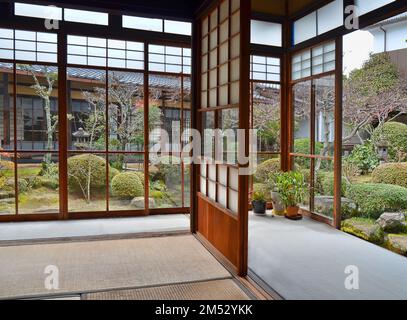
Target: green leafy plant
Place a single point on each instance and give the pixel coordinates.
(364, 157)
(291, 186)
(259, 196)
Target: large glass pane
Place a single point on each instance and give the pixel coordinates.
(324, 188)
(6, 107)
(266, 116)
(126, 111)
(302, 120)
(165, 112)
(306, 171)
(127, 184)
(7, 184)
(37, 108)
(87, 182)
(38, 184)
(87, 109)
(165, 175)
(325, 116)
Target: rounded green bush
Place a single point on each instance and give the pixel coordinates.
(391, 173)
(78, 170)
(395, 133)
(127, 185)
(265, 168)
(375, 199)
(303, 146)
(141, 177)
(326, 182)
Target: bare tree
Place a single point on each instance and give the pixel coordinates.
(44, 91)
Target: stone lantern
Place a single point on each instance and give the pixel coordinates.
(81, 139)
(382, 149)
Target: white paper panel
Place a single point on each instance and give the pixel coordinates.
(305, 28)
(222, 196)
(330, 16)
(235, 70)
(234, 178)
(212, 190)
(233, 201)
(235, 23)
(212, 172)
(266, 33)
(234, 93)
(365, 6)
(203, 186)
(223, 175)
(235, 47)
(224, 10)
(224, 32)
(235, 5)
(223, 95)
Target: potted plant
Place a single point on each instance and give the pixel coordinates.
(278, 206)
(259, 203)
(291, 186)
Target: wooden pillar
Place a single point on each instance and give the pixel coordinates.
(338, 133)
(63, 124)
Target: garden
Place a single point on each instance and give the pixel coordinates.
(102, 175)
(374, 168)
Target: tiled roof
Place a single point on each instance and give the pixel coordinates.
(156, 81)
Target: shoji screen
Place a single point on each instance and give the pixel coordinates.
(224, 104)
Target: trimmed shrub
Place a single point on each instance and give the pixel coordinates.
(375, 199)
(364, 157)
(303, 146)
(265, 168)
(127, 185)
(141, 177)
(326, 182)
(395, 133)
(78, 168)
(391, 173)
(157, 195)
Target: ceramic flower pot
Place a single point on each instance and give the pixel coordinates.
(278, 207)
(293, 211)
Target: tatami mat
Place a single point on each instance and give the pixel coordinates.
(210, 290)
(105, 265)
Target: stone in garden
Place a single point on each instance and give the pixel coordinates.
(7, 201)
(138, 203)
(364, 229)
(392, 222)
(325, 205)
(6, 194)
(397, 243)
